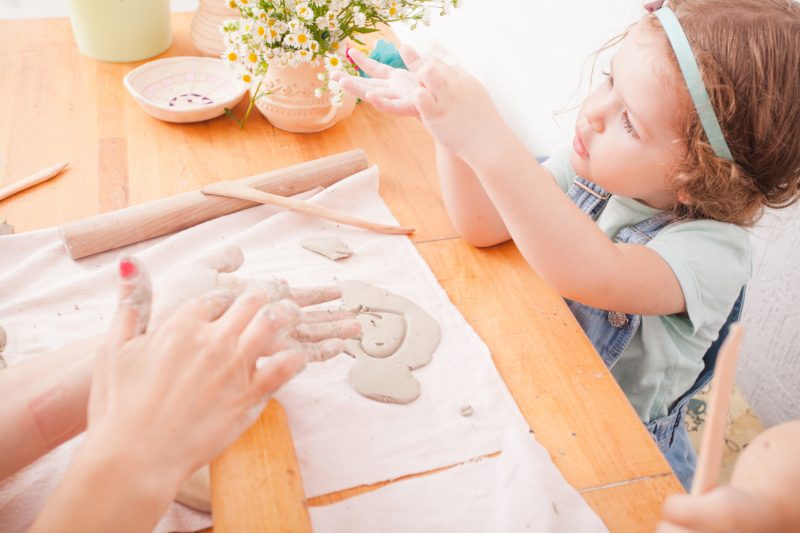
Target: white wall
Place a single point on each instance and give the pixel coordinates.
(769, 372)
(532, 55)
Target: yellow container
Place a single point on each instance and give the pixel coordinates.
(121, 30)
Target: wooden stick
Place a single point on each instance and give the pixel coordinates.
(152, 219)
(30, 181)
(256, 483)
(710, 457)
(243, 192)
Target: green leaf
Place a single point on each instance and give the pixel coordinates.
(230, 114)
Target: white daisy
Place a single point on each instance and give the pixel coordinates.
(304, 11)
(303, 38)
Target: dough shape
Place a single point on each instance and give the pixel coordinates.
(398, 336)
(330, 247)
(195, 491)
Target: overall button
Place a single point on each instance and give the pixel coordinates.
(617, 319)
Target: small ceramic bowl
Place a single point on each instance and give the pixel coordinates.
(185, 89)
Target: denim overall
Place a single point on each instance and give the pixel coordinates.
(610, 333)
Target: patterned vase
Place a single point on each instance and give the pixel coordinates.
(206, 31)
(289, 103)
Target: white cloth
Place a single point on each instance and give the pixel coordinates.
(342, 439)
(521, 490)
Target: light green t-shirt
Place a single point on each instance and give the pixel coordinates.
(712, 261)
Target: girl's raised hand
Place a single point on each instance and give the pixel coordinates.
(456, 109)
(389, 89)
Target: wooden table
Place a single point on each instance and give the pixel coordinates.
(57, 105)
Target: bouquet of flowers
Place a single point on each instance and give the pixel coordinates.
(291, 33)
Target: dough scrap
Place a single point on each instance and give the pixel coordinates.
(6, 228)
(330, 247)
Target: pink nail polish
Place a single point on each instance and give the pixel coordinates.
(127, 269)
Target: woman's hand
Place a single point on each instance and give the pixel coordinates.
(167, 400)
(216, 273)
(184, 391)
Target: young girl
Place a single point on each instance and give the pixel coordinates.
(692, 134)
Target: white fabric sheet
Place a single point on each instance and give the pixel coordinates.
(521, 490)
(342, 439)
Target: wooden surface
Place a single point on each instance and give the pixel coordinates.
(257, 480)
(60, 106)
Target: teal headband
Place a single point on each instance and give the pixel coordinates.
(691, 74)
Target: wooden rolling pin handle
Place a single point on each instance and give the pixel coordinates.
(138, 223)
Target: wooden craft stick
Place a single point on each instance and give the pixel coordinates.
(30, 181)
(243, 192)
(160, 217)
(256, 483)
(710, 458)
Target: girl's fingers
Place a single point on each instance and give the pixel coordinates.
(410, 57)
(276, 370)
(226, 259)
(382, 92)
(356, 85)
(425, 102)
(314, 295)
(433, 76)
(393, 106)
(133, 304)
(341, 329)
(372, 68)
(269, 331)
(324, 350)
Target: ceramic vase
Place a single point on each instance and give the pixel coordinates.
(121, 31)
(206, 31)
(288, 101)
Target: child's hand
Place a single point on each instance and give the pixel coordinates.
(721, 510)
(388, 89)
(456, 109)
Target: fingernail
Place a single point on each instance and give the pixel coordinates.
(127, 269)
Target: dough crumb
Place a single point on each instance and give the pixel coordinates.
(6, 228)
(466, 410)
(330, 247)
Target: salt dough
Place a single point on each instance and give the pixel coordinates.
(2, 346)
(6, 228)
(397, 337)
(330, 247)
(195, 491)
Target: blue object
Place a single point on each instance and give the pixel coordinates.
(691, 74)
(386, 53)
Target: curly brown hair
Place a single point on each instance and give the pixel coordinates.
(749, 57)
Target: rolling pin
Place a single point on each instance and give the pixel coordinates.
(256, 483)
(138, 223)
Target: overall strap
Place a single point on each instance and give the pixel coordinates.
(644, 231)
(589, 197)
